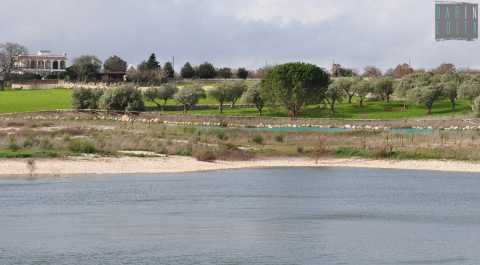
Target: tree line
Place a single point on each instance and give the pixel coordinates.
(150, 72)
(128, 98)
(291, 85)
(297, 85)
(88, 68)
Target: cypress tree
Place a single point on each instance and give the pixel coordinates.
(168, 70)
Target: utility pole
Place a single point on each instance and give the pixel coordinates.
(173, 66)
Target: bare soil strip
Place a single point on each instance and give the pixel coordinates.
(17, 168)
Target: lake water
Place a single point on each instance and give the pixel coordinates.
(269, 216)
(343, 130)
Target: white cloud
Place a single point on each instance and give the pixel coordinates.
(288, 11)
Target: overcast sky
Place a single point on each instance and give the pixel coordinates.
(237, 33)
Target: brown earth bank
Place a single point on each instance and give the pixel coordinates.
(65, 134)
(22, 168)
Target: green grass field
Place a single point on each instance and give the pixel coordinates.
(371, 110)
(52, 99)
(34, 100)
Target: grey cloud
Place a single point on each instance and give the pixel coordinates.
(371, 32)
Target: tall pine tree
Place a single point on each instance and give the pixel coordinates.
(152, 63)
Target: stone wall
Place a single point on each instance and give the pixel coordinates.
(255, 121)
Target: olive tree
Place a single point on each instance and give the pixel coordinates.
(145, 75)
(85, 98)
(469, 90)
(452, 77)
(164, 92)
(235, 91)
(254, 96)
(124, 98)
(346, 84)
(425, 95)
(363, 88)
(411, 81)
(86, 68)
(189, 96)
(384, 88)
(476, 107)
(220, 94)
(450, 90)
(403, 86)
(151, 94)
(334, 94)
(294, 85)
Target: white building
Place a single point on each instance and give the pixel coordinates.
(42, 63)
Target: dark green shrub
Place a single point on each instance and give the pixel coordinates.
(187, 71)
(258, 139)
(351, 152)
(225, 72)
(221, 135)
(279, 138)
(12, 144)
(184, 151)
(206, 70)
(205, 155)
(27, 154)
(46, 144)
(242, 73)
(300, 150)
(230, 152)
(30, 142)
(82, 147)
(384, 151)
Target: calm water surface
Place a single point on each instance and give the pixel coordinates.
(279, 216)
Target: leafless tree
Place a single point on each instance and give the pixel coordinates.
(444, 68)
(372, 71)
(402, 70)
(8, 53)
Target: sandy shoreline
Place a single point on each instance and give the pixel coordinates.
(11, 168)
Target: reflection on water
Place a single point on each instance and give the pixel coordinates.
(274, 216)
